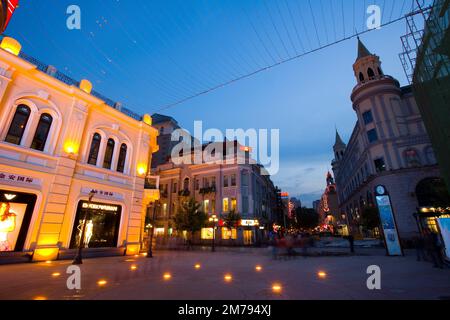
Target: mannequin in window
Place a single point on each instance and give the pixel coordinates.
(7, 225)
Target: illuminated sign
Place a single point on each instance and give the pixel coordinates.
(8, 177)
(103, 207)
(10, 197)
(249, 223)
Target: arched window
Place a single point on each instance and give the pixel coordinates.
(122, 158)
(18, 124)
(361, 77)
(42, 130)
(95, 148)
(370, 73)
(107, 161)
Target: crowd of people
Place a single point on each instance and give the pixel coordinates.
(285, 244)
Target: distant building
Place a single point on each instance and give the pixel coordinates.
(316, 205)
(220, 189)
(166, 126)
(389, 146)
(329, 212)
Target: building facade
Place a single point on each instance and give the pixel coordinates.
(330, 215)
(59, 144)
(389, 146)
(220, 189)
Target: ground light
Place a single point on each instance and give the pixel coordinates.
(133, 267)
(167, 276)
(258, 268)
(197, 266)
(228, 277)
(56, 274)
(40, 298)
(102, 283)
(322, 274)
(277, 288)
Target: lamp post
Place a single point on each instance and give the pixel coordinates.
(152, 231)
(213, 219)
(78, 258)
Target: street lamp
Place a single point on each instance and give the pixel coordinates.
(152, 231)
(78, 258)
(213, 219)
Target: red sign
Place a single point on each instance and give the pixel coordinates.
(12, 5)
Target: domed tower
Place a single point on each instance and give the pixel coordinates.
(377, 100)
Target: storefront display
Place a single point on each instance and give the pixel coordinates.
(102, 226)
(16, 210)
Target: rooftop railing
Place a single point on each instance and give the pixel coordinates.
(52, 71)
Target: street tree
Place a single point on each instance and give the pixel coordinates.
(190, 218)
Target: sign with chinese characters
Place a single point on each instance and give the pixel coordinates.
(387, 221)
(9, 177)
(104, 193)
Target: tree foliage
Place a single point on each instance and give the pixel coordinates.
(307, 218)
(231, 220)
(189, 217)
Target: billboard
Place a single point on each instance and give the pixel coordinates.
(444, 226)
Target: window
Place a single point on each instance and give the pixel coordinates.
(95, 147)
(226, 205)
(412, 158)
(42, 130)
(175, 188)
(244, 178)
(165, 209)
(205, 183)
(186, 184)
(18, 124)
(197, 184)
(372, 135)
(206, 206)
(370, 73)
(380, 166)
(233, 180)
(213, 182)
(367, 117)
(107, 161)
(122, 158)
(213, 206)
(233, 205)
(225, 181)
(361, 77)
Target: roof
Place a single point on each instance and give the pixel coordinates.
(160, 118)
(339, 141)
(362, 50)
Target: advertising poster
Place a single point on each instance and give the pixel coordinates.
(388, 225)
(11, 218)
(444, 226)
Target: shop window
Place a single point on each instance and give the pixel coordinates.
(380, 165)
(102, 225)
(248, 237)
(226, 205)
(95, 148)
(207, 233)
(122, 158)
(16, 211)
(229, 234)
(367, 117)
(109, 152)
(42, 131)
(18, 125)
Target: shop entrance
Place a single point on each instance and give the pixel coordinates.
(102, 228)
(16, 211)
(248, 237)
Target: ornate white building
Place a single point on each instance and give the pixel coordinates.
(59, 140)
(389, 146)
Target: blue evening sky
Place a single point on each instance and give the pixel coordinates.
(148, 54)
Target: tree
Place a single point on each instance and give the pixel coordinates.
(231, 220)
(307, 218)
(370, 218)
(190, 218)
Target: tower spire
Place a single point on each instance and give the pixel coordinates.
(362, 50)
